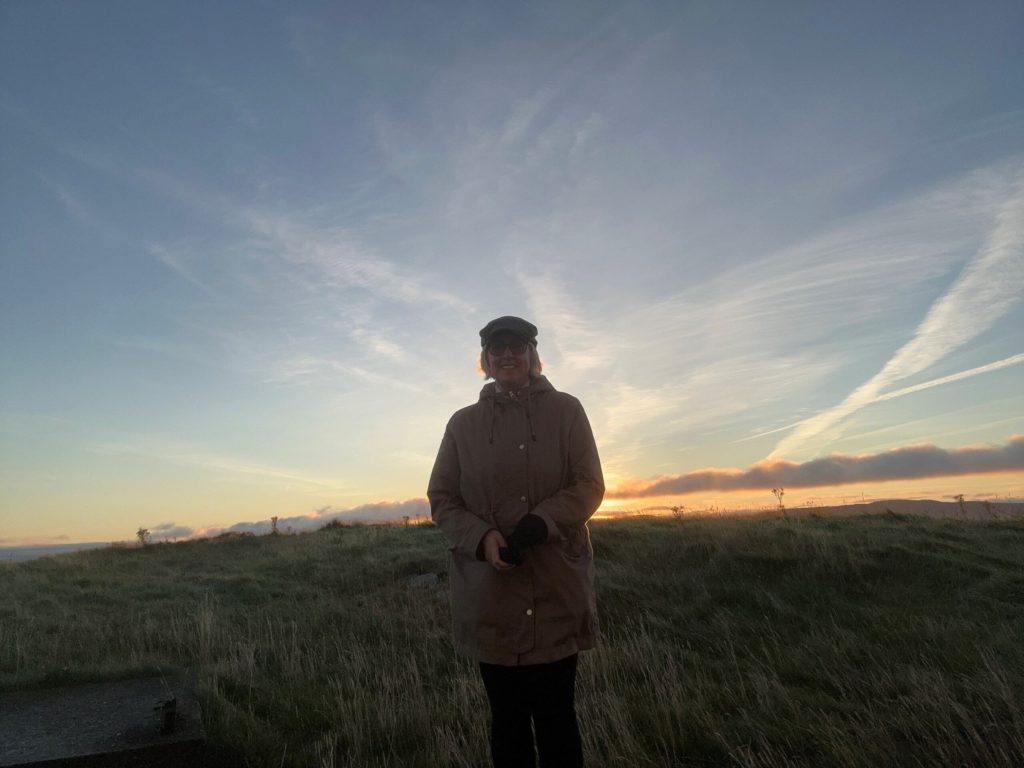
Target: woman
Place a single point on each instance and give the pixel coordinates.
(515, 481)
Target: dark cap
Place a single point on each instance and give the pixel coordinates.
(508, 324)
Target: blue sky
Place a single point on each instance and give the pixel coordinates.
(247, 247)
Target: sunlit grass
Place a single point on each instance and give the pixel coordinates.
(750, 642)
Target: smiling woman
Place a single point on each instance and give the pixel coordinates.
(516, 479)
(509, 360)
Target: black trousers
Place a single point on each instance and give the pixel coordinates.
(543, 693)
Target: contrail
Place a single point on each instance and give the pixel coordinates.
(985, 291)
(1006, 361)
(959, 376)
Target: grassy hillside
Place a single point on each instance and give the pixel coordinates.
(867, 641)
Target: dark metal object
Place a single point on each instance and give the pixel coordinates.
(168, 713)
(114, 725)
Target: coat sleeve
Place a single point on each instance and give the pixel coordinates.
(573, 505)
(464, 530)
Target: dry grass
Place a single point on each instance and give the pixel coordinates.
(856, 642)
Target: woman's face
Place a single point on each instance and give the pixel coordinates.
(509, 359)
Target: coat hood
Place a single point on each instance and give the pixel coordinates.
(537, 385)
(491, 396)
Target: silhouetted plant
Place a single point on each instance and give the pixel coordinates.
(143, 536)
(779, 493)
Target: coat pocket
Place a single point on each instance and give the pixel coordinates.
(576, 544)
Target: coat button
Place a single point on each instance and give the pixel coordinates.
(522, 498)
(521, 446)
(529, 611)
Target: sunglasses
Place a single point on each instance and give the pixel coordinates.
(497, 348)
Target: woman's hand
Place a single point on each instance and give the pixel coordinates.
(493, 542)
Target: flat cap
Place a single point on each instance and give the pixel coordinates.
(509, 324)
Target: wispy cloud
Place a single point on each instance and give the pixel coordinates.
(333, 253)
(178, 263)
(341, 262)
(987, 288)
(314, 369)
(230, 97)
(763, 338)
(910, 462)
(924, 385)
(284, 280)
(77, 209)
(968, 418)
(575, 334)
(766, 432)
(307, 39)
(185, 455)
(378, 343)
(841, 281)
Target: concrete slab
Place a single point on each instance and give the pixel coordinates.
(143, 722)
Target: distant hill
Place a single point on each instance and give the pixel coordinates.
(937, 510)
(20, 554)
(971, 510)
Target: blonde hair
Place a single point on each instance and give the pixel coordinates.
(536, 366)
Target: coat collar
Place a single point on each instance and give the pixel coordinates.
(537, 385)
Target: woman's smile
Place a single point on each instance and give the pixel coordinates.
(510, 366)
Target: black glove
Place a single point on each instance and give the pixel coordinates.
(529, 531)
(510, 555)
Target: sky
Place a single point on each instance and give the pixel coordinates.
(246, 250)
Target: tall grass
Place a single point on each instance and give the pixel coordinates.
(819, 642)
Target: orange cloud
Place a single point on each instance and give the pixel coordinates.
(906, 463)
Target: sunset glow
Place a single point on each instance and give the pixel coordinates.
(245, 252)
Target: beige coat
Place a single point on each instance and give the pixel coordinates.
(499, 459)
